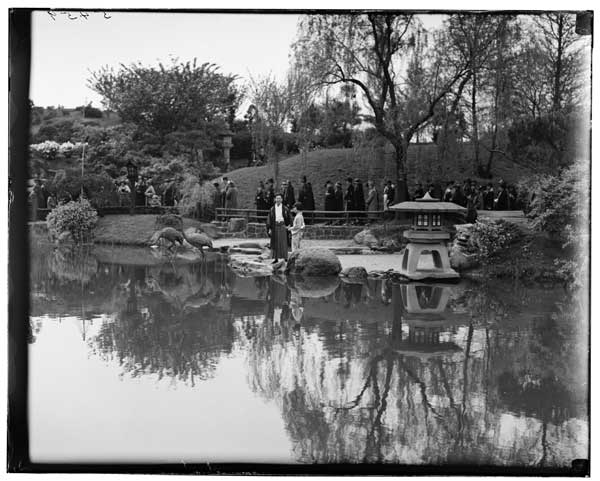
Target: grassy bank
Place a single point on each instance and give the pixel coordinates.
(134, 230)
(338, 164)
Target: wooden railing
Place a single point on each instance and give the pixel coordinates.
(310, 216)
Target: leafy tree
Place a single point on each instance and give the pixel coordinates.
(368, 51)
(269, 114)
(169, 98)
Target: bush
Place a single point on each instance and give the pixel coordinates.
(489, 239)
(560, 204)
(194, 195)
(78, 218)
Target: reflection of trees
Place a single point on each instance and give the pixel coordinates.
(348, 394)
(157, 333)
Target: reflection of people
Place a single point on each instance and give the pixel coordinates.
(278, 219)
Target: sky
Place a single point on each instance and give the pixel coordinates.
(66, 48)
(64, 51)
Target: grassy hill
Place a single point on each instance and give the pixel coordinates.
(338, 164)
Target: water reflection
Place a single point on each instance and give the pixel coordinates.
(359, 372)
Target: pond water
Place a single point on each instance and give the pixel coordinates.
(134, 358)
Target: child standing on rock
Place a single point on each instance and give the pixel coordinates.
(297, 228)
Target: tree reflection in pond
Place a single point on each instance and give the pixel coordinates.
(460, 386)
(489, 373)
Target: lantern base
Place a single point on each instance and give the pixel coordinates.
(427, 261)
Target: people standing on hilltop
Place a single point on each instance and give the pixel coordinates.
(270, 193)
(224, 187)
(329, 196)
(302, 192)
(389, 195)
(419, 192)
(338, 195)
(501, 202)
(488, 198)
(231, 196)
(149, 193)
(349, 196)
(288, 194)
(310, 198)
(260, 199)
(140, 189)
(278, 220)
(372, 199)
(216, 199)
(359, 196)
(448, 191)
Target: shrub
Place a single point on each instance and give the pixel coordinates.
(195, 195)
(491, 238)
(559, 204)
(78, 218)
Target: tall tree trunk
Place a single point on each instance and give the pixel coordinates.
(475, 139)
(558, 70)
(401, 181)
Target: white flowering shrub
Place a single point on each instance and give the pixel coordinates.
(49, 148)
(491, 238)
(79, 218)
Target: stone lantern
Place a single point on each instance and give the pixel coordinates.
(226, 143)
(426, 255)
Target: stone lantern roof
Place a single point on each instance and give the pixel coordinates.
(427, 204)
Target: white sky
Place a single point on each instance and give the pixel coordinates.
(64, 51)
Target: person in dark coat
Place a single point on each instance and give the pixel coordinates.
(260, 199)
(278, 220)
(488, 198)
(289, 198)
(448, 192)
(216, 199)
(309, 198)
(349, 197)
(501, 202)
(270, 194)
(302, 192)
(329, 196)
(419, 192)
(359, 196)
(339, 197)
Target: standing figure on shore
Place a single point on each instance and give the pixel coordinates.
(297, 227)
(278, 220)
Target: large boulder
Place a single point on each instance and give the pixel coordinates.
(366, 238)
(313, 262)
